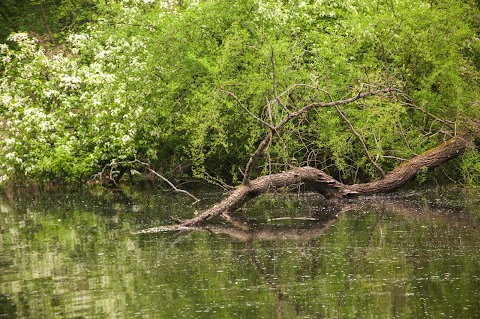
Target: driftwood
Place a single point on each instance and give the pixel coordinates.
(327, 185)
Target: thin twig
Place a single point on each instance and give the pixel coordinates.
(307, 108)
(258, 152)
(173, 186)
(264, 144)
(293, 218)
(148, 168)
(395, 157)
(269, 111)
(247, 110)
(360, 140)
(448, 123)
(404, 137)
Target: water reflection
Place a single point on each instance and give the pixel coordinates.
(75, 256)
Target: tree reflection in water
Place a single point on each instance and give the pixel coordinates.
(381, 257)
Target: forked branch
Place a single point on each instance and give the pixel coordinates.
(360, 140)
(264, 144)
(113, 164)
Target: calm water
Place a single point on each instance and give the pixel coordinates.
(77, 256)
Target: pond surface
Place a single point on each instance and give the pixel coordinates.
(77, 256)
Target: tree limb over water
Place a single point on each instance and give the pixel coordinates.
(331, 188)
(275, 129)
(313, 227)
(107, 175)
(327, 185)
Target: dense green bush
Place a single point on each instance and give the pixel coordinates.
(169, 85)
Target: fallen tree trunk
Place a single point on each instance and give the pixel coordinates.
(399, 176)
(331, 188)
(327, 185)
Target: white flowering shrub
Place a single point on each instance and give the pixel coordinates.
(63, 117)
(148, 82)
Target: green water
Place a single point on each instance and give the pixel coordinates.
(77, 256)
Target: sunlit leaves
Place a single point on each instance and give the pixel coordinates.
(150, 80)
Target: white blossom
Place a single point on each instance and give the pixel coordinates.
(126, 139)
(71, 81)
(3, 48)
(6, 99)
(3, 178)
(10, 155)
(49, 93)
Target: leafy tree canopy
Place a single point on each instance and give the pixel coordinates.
(188, 86)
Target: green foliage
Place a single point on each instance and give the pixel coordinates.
(61, 16)
(470, 167)
(170, 84)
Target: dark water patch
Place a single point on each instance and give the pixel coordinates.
(383, 257)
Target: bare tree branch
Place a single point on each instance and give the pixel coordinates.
(293, 115)
(450, 124)
(114, 164)
(330, 187)
(360, 140)
(258, 152)
(196, 200)
(360, 95)
(247, 110)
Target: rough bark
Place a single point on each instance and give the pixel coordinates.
(45, 22)
(327, 185)
(331, 188)
(399, 176)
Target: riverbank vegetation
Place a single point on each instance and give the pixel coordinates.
(230, 91)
